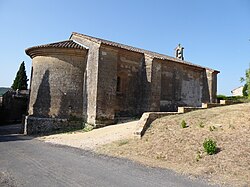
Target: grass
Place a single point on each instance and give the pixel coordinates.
(167, 145)
(72, 129)
(122, 142)
(87, 128)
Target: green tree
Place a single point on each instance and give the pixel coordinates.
(246, 88)
(20, 81)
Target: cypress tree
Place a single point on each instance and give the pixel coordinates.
(20, 81)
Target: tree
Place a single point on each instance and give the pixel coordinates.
(20, 81)
(246, 88)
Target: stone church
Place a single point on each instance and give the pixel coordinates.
(99, 81)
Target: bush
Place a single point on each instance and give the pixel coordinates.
(245, 90)
(184, 124)
(210, 146)
(234, 99)
(221, 97)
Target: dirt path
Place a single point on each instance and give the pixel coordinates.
(91, 140)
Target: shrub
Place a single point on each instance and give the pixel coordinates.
(183, 124)
(235, 99)
(221, 97)
(87, 128)
(198, 156)
(201, 125)
(245, 90)
(210, 146)
(212, 128)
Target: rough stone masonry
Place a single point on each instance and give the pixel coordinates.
(99, 81)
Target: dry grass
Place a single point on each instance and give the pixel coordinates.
(166, 144)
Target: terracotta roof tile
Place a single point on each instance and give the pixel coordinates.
(62, 44)
(138, 50)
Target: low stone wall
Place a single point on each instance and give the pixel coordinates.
(210, 105)
(147, 118)
(36, 126)
(227, 102)
(187, 109)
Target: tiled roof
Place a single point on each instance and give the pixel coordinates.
(62, 44)
(138, 50)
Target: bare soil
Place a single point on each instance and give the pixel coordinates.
(166, 144)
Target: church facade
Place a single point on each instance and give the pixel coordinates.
(100, 81)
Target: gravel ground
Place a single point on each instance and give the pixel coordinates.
(92, 139)
(6, 180)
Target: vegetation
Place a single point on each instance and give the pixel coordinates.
(221, 97)
(235, 99)
(20, 81)
(210, 146)
(123, 142)
(198, 156)
(183, 124)
(167, 145)
(87, 127)
(246, 88)
(212, 128)
(201, 125)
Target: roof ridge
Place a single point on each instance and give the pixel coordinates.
(139, 50)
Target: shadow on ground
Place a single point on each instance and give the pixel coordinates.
(12, 133)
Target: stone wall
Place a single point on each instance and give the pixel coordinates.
(106, 86)
(122, 82)
(91, 78)
(151, 85)
(57, 83)
(35, 125)
(212, 85)
(182, 85)
(128, 90)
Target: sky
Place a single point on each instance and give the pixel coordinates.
(214, 33)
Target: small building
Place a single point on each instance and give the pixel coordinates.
(14, 106)
(238, 91)
(100, 80)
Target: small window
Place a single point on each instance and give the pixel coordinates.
(118, 84)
